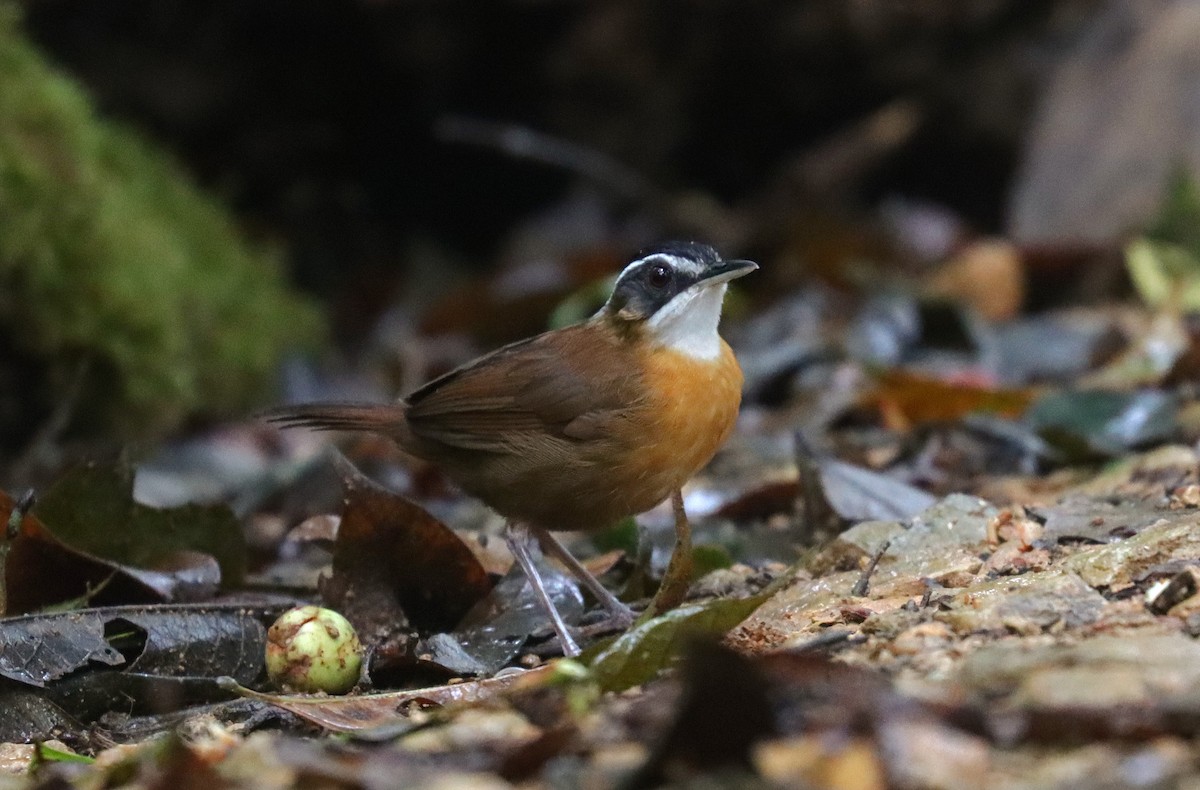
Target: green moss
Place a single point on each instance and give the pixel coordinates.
(109, 255)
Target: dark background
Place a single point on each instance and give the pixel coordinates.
(318, 121)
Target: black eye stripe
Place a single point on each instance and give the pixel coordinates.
(651, 282)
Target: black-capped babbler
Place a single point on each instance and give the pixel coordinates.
(579, 427)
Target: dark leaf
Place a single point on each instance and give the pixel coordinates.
(859, 494)
(76, 666)
(642, 652)
(92, 509)
(775, 496)
(394, 563)
(1067, 346)
(496, 628)
(41, 570)
(27, 715)
(160, 640)
(448, 654)
(89, 696)
(1103, 423)
(42, 648)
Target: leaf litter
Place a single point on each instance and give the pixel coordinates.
(912, 678)
(1005, 593)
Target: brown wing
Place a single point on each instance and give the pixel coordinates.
(568, 384)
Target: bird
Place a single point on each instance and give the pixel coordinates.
(581, 426)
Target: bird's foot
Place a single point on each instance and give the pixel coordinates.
(603, 621)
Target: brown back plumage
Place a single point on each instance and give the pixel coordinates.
(568, 384)
(530, 428)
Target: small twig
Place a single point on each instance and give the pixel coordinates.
(828, 639)
(838, 164)
(39, 447)
(813, 512)
(862, 586)
(22, 507)
(521, 142)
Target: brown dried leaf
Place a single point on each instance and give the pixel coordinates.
(41, 570)
(988, 275)
(394, 563)
(907, 399)
(357, 714)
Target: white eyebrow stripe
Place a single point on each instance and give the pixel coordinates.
(684, 265)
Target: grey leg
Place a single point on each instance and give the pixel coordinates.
(622, 616)
(517, 537)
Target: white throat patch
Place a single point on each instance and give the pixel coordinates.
(688, 323)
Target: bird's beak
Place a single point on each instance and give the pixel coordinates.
(725, 271)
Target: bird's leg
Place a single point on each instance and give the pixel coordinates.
(620, 615)
(678, 577)
(517, 537)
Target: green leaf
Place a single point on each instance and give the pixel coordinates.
(1085, 423)
(708, 557)
(1178, 219)
(642, 652)
(623, 535)
(581, 303)
(1162, 272)
(48, 754)
(92, 509)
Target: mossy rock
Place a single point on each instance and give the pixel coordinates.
(114, 264)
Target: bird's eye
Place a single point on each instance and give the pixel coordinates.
(659, 277)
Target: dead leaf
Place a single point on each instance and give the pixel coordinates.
(499, 625)
(364, 712)
(92, 509)
(1093, 423)
(988, 275)
(724, 711)
(393, 563)
(906, 399)
(41, 570)
(860, 494)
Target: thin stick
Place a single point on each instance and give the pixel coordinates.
(863, 585)
(12, 530)
(522, 142)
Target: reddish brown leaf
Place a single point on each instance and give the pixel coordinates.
(987, 275)
(774, 496)
(394, 563)
(41, 570)
(906, 399)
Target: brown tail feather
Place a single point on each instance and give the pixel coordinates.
(385, 418)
